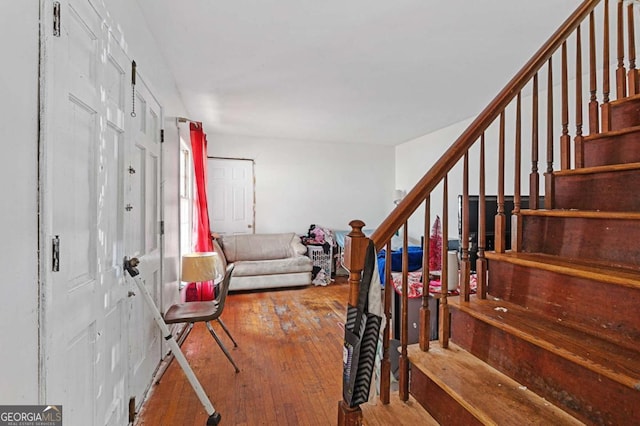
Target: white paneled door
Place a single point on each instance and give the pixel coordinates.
(230, 195)
(142, 235)
(88, 143)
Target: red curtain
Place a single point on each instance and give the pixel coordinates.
(202, 232)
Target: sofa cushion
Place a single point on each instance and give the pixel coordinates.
(261, 246)
(269, 281)
(272, 267)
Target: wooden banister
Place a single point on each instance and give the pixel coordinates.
(356, 242)
(430, 180)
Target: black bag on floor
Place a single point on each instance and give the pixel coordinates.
(360, 340)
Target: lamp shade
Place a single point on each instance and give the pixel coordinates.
(200, 267)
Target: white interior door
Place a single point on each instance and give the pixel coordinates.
(84, 293)
(142, 235)
(230, 195)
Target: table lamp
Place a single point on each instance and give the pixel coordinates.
(202, 267)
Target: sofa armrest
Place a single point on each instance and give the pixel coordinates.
(218, 249)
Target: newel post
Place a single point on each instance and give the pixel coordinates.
(355, 248)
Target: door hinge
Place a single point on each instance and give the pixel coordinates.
(56, 19)
(55, 254)
(162, 227)
(132, 409)
(161, 135)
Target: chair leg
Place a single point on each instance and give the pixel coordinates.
(224, 349)
(226, 330)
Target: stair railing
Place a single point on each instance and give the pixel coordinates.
(493, 120)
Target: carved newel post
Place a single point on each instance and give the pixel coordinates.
(355, 248)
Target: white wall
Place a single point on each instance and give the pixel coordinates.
(304, 183)
(18, 215)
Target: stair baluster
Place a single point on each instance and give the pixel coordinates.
(565, 139)
(444, 319)
(633, 73)
(606, 124)
(385, 364)
(465, 265)
(578, 139)
(404, 312)
(621, 73)
(425, 313)
(534, 176)
(501, 219)
(548, 175)
(594, 113)
(516, 219)
(481, 261)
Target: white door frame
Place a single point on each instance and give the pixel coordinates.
(234, 191)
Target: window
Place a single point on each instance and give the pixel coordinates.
(186, 199)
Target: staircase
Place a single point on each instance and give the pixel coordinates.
(553, 335)
(562, 315)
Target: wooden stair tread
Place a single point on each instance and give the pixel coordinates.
(490, 396)
(598, 169)
(374, 413)
(588, 269)
(624, 100)
(612, 133)
(601, 356)
(585, 214)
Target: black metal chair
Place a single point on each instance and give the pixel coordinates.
(207, 311)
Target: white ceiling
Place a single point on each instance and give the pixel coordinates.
(355, 71)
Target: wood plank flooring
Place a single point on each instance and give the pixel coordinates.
(290, 359)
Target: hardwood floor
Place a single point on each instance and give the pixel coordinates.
(290, 359)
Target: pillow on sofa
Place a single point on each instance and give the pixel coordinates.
(261, 246)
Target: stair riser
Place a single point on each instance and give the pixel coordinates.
(612, 191)
(625, 114)
(590, 397)
(619, 149)
(441, 406)
(604, 310)
(606, 240)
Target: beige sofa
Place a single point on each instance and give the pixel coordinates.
(266, 260)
